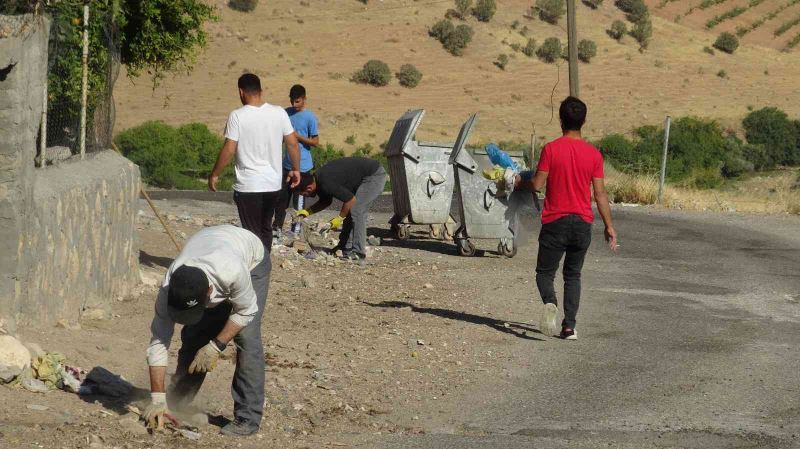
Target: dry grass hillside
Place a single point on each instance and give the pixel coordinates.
(320, 43)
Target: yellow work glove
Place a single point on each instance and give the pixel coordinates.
(303, 213)
(494, 174)
(336, 223)
(206, 359)
(156, 415)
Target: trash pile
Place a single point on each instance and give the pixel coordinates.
(31, 368)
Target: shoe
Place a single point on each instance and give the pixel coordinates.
(239, 428)
(568, 334)
(352, 255)
(277, 237)
(548, 325)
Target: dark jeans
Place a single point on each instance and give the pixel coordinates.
(284, 199)
(255, 211)
(247, 386)
(569, 235)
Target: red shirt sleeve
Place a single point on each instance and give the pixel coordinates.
(598, 169)
(544, 160)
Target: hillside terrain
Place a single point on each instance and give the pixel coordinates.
(321, 43)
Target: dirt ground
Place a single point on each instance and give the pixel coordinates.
(352, 351)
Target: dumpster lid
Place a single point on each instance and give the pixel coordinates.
(459, 156)
(403, 131)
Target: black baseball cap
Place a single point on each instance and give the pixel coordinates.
(188, 295)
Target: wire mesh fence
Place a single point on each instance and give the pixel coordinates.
(62, 123)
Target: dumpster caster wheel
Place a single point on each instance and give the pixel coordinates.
(435, 232)
(466, 248)
(503, 249)
(402, 232)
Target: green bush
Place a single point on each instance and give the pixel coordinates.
(243, 5)
(618, 30)
(375, 72)
(642, 31)
(757, 155)
(550, 11)
(173, 158)
(635, 10)
(502, 61)
(322, 155)
(458, 40)
(409, 76)
(550, 50)
(705, 178)
(530, 48)
(587, 50)
(594, 4)
(462, 7)
(726, 42)
(772, 128)
(621, 153)
(484, 10)
(441, 29)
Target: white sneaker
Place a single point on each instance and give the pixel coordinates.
(548, 325)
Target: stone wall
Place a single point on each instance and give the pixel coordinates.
(66, 232)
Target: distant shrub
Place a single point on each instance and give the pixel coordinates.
(594, 4)
(243, 5)
(642, 31)
(550, 50)
(635, 10)
(757, 155)
(708, 50)
(722, 74)
(462, 7)
(587, 50)
(618, 30)
(515, 46)
(780, 136)
(550, 11)
(409, 76)
(705, 178)
(350, 140)
(458, 40)
(374, 72)
(441, 29)
(502, 61)
(484, 10)
(322, 155)
(530, 48)
(727, 42)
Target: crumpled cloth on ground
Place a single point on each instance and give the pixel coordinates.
(49, 372)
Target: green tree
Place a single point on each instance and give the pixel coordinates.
(484, 10)
(374, 72)
(441, 29)
(462, 7)
(726, 42)
(458, 40)
(550, 11)
(502, 61)
(594, 4)
(642, 31)
(409, 76)
(550, 50)
(635, 10)
(530, 48)
(618, 30)
(587, 50)
(772, 128)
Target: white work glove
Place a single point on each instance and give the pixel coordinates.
(156, 415)
(206, 359)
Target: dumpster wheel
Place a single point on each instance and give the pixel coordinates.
(466, 248)
(402, 232)
(435, 232)
(503, 249)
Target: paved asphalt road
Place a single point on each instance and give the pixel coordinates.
(692, 341)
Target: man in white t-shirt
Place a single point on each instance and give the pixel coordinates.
(255, 134)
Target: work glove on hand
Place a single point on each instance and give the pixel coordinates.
(206, 359)
(303, 213)
(156, 415)
(336, 223)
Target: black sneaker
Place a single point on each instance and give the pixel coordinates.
(568, 333)
(354, 256)
(239, 428)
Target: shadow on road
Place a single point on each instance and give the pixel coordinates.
(153, 261)
(519, 330)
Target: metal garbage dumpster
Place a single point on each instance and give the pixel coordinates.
(483, 212)
(421, 177)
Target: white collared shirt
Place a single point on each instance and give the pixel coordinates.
(226, 254)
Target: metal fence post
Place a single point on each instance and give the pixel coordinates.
(85, 78)
(664, 161)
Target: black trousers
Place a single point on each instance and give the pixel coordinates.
(284, 200)
(568, 236)
(255, 212)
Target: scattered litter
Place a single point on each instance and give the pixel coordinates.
(194, 436)
(428, 286)
(37, 407)
(373, 241)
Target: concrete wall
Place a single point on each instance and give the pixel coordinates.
(66, 232)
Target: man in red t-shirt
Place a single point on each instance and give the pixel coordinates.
(568, 166)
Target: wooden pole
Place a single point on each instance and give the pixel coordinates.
(572, 42)
(85, 77)
(43, 130)
(667, 124)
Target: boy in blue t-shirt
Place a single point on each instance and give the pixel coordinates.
(305, 127)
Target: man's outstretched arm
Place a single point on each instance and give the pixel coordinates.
(225, 156)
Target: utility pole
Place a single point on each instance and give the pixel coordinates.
(572, 39)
